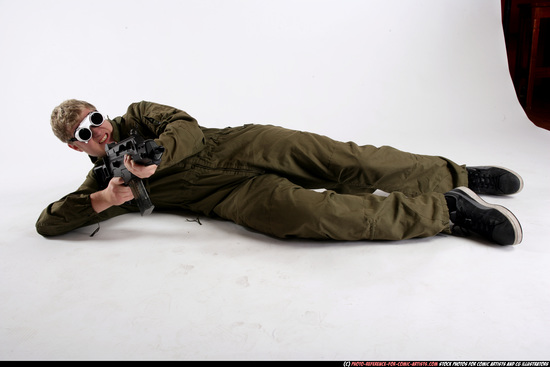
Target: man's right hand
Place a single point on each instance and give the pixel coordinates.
(116, 193)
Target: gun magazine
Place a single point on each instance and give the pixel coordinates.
(141, 196)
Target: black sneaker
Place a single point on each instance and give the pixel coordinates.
(492, 180)
(470, 213)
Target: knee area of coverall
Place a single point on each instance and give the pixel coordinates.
(275, 206)
(278, 207)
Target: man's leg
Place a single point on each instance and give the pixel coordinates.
(316, 161)
(275, 206)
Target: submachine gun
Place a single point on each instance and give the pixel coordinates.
(145, 152)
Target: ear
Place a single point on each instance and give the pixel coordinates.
(72, 146)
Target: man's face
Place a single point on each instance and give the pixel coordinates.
(101, 135)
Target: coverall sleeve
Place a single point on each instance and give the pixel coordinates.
(75, 210)
(179, 133)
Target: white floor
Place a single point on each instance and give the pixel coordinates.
(428, 76)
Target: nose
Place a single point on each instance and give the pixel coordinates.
(95, 132)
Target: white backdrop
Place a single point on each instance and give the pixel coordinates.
(426, 76)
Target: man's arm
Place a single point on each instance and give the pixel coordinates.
(78, 209)
(115, 194)
(172, 128)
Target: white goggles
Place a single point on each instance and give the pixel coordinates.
(83, 132)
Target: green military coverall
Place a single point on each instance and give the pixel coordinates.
(262, 177)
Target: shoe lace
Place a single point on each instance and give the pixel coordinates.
(481, 180)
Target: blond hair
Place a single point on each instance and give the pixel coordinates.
(65, 116)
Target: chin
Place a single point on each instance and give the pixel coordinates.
(99, 154)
